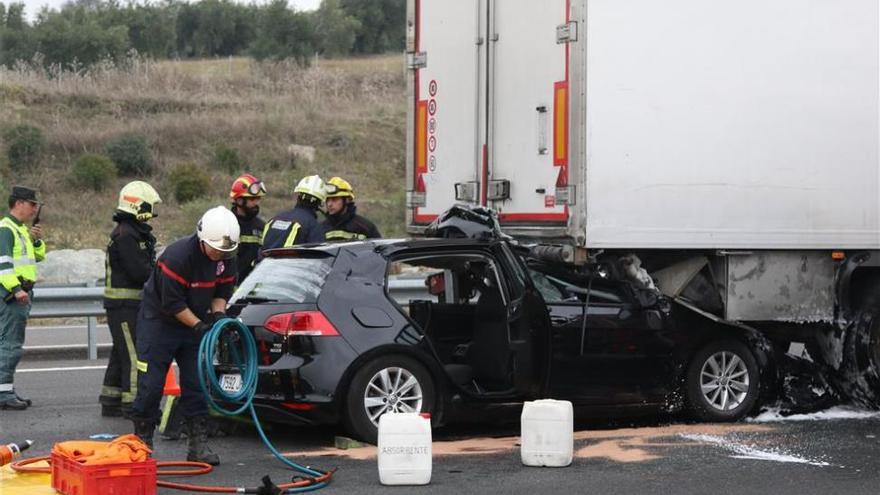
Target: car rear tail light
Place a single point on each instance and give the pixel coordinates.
(304, 323)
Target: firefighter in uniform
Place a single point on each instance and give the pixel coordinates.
(131, 255)
(18, 272)
(299, 225)
(187, 291)
(246, 193)
(343, 223)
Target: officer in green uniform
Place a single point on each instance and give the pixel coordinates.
(21, 247)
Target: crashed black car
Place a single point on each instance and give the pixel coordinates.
(475, 330)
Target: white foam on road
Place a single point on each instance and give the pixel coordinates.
(742, 451)
(774, 415)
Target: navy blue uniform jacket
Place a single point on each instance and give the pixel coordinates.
(297, 226)
(185, 278)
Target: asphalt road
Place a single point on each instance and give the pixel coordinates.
(654, 455)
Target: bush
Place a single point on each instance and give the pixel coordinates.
(228, 159)
(131, 155)
(24, 146)
(93, 171)
(189, 182)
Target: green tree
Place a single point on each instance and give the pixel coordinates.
(16, 36)
(283, 34)
(335, 29)
(75, 35)
(382, 24)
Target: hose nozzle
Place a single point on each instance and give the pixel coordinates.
(11, 451)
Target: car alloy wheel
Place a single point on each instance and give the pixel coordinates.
(392, 389)
(724, 380)
(386, 383)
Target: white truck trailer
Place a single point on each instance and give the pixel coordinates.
(734, 146)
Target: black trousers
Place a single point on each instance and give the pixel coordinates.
(120, 379)
(158, 344)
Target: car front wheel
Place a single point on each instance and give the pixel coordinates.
(386, 384)
(722, 381)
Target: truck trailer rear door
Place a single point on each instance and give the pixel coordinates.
(445, 52)
(489, 109)
(528, 111)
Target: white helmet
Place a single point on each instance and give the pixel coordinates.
(139, 199)
(219, 229)
(313, 186)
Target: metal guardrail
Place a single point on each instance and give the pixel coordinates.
(79, 301)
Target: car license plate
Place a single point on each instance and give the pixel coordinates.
(230, 383)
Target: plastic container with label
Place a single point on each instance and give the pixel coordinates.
(547, 433)
(404, 449)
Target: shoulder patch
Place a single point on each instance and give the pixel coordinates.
(281, 225)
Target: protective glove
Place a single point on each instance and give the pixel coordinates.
(200, 328)
(218, 315)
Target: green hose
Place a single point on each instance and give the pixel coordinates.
(245, 358)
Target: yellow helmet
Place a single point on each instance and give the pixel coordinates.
(337, 187)
(313, 186)
(139, 199)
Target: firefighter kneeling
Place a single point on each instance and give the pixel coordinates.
(187, 291)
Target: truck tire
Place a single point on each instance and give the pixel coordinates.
(860, 379)
(722, 381)
(386, 384)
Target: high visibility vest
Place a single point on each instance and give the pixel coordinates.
(23, 262)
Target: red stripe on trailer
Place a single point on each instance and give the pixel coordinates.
(534, 217)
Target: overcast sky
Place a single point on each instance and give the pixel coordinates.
(33, 6)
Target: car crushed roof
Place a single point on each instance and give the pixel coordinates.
(385, 246)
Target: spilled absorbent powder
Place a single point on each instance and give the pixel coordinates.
(839, 412)
(746, 452)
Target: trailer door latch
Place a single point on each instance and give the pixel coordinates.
(417, 60)
(567, 33)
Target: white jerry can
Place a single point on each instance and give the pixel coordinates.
(547, 436)
(404, 450)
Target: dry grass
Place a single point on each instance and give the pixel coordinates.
(352, 111)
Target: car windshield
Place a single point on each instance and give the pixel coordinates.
(287, 280)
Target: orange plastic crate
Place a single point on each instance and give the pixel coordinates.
(72, 478)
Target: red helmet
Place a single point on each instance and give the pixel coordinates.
(247, 186)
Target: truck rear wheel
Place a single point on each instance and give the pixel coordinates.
(860, 369)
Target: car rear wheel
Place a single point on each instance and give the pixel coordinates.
(722, 381)
(386, 384)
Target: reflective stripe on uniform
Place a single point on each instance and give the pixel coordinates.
(291, 238)
(108, 391)
(131, 393)
(113, 293)
(249, 239)
(141, 366)
(343, 235)
(5, 387)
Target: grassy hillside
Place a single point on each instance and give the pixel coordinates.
(351, 111)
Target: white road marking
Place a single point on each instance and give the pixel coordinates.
(74, 368)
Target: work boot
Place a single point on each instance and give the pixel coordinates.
(14, 404)
(144, 430)
(197, 438)
(24, 399)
